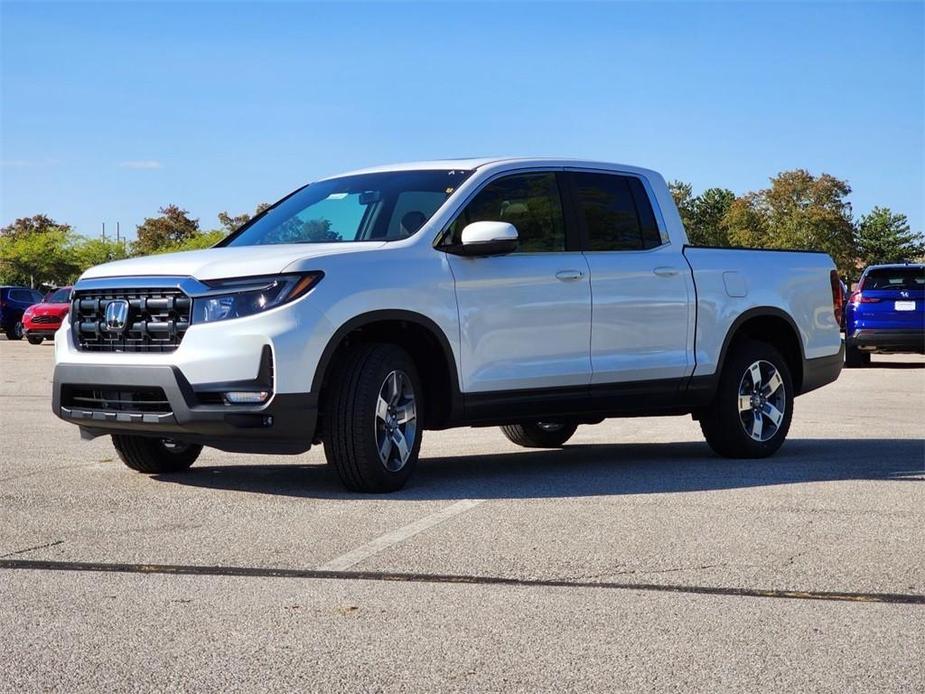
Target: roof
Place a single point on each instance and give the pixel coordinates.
(469, 163)
(885, 266)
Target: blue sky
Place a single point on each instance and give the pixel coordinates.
(112, 110)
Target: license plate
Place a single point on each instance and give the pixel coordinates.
(905, 305)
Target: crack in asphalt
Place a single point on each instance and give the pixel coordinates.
(32, 549)
(268, 572)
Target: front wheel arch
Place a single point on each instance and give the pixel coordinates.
(418, 335)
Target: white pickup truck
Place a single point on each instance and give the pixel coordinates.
(531, 294)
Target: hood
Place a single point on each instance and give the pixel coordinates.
(48, 309)
(227, 262)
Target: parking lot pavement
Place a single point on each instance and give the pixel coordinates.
(631, 560)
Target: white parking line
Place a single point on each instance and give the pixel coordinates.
(354, 557)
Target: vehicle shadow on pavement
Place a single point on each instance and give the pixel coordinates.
(592, 470)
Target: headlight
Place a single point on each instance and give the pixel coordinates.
(250, 295)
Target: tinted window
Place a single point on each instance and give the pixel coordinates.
(651, 237)
(895, 278)
(22, 295)
(530, 202)
(367, 207)
(616, 212)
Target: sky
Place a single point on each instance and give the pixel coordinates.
(110, 111)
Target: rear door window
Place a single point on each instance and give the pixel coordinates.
(616, 212)
(23, 296)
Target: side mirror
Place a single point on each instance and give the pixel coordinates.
(486, 238)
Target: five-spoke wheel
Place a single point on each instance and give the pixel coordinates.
(396, 420)
(372, 417)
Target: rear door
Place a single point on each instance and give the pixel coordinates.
(643, 299)
(525, 318)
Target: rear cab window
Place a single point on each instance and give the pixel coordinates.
(615, 212)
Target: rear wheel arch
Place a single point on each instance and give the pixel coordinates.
(418, 335)
(772, 326)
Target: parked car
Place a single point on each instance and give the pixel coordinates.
(13, 303)
(886, 313)
(40, 321)
(357, 312)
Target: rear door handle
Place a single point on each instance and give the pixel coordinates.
(665, 271)
(569, 275)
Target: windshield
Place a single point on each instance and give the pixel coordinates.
(895, 278)
(369, 207)
(59, 296)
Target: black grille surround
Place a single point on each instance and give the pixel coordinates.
(157, 320)
(117, 399)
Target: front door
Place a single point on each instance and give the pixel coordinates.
(525, 318)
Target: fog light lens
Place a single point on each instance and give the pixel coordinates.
(240, 397)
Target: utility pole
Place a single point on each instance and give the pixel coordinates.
(117, 232)
(104, 230)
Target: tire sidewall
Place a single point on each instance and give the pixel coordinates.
(375, 369)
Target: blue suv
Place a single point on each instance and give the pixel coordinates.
(13, 303)
(886, 313)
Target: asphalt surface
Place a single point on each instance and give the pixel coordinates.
(632, 560)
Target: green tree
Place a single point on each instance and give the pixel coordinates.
(709, 227)
(95, 251)
(683, 195)
(165, 232)
(230, 223)
(799, 211)
(704, 215)
(42, 257)
(203, 239)
(885, 237)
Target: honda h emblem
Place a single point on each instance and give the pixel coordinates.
(116, 316)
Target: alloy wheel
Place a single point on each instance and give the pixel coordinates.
(762, 401)
(396, 420)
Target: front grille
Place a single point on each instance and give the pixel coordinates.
(157, 320)
(116, 398)
(45, 320)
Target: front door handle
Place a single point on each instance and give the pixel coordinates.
(665, 271)
(569, 275)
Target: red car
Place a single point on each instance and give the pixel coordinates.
(40, 321)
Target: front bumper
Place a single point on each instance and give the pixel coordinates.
(286, 424)
(44, 332)
(889, 340)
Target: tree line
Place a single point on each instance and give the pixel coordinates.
(797, 210)
(39, 251)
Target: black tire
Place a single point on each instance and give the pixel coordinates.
(151, 456)
(725, 427)
(354, 433)
(539, 434)
(855, 358)
(14, 331)
(35, 340)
